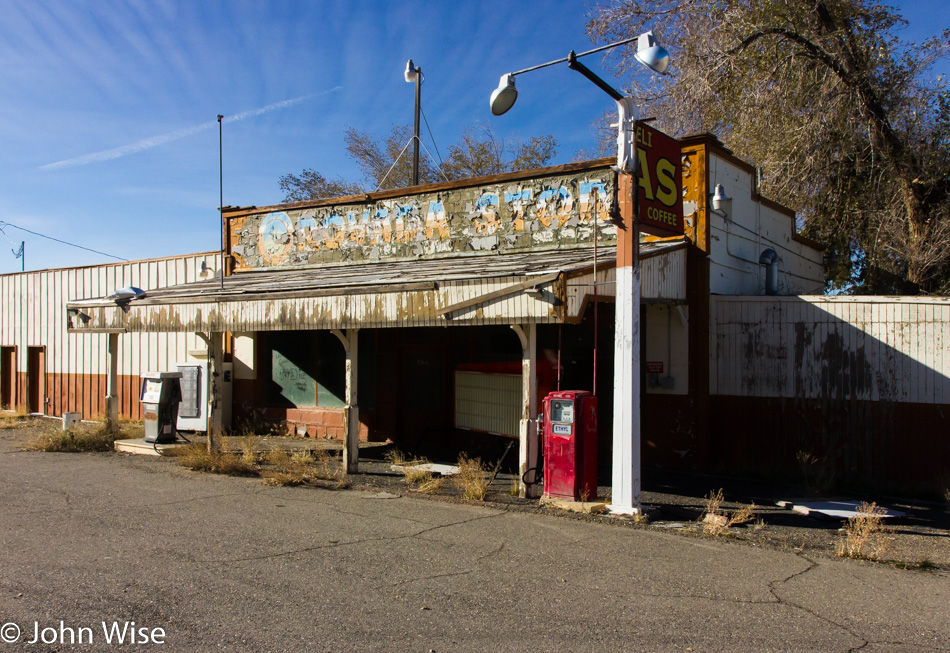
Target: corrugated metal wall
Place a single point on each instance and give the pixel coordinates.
(858, 386)
(33, 315)
(868, 349)
(488, 402)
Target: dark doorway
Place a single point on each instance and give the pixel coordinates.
(424, 394)
(7, 378)
(36, 379)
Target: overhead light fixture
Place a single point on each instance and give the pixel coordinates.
(411, 72)
(505, 95)
(651, 54)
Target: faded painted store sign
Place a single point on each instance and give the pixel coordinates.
(661, 182)
(553, 212)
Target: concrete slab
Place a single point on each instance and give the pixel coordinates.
(837, 509)
(141, 447)
(590, 507)
(432, 468)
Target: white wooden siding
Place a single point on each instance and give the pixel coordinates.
(32, 313)
(873, 349)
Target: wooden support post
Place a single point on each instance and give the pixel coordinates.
(215, 343)
(112, 381)
(528, 451)
(351, 441)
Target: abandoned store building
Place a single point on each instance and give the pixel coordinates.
(441, 315)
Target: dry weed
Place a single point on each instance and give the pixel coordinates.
(50, 436)
(817, 474)
(12, 421)
(514, 489)
(470, 480)
(301, 467)
(416, 478)
(865, 535)
(431, 485)
(717, 521)
(946, 497)
(250, 451)
(197, 457)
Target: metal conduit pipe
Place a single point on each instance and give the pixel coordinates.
(769, 259)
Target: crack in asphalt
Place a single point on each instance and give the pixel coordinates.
(812, 565)
(334, 545)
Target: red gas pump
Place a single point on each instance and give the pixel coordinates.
(570, 445)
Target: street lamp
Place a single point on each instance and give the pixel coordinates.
(414, 74)
(625, 481)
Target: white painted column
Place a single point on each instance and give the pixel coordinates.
(112, 380)
(528, 433)
(351, 416)
(625, 480)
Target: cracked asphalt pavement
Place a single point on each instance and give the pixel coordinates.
(226, 563)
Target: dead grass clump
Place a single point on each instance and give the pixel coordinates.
(416, 478)
(197, 457)
(12, 421)
(301, 467)
(470, 480)
(818, 474)
(50, 436)
(865, 535)
(432, 484)
(250, 451)
(717, 521)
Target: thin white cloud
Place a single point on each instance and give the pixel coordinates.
(162, 139)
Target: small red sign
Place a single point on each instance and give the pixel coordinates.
(660, 194)
(654, 367)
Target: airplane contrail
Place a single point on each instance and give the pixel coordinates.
(161, 139)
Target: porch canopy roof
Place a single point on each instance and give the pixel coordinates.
(547, 286)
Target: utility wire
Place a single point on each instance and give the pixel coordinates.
(88, 249)
(434, 144)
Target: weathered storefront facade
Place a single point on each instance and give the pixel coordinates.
(417, 315)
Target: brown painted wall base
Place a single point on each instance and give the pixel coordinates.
(858, 443)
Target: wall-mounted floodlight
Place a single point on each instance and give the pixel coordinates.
(720, 201)
(127, 294)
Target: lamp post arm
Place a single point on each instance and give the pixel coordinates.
(582, 54)
(574, 64)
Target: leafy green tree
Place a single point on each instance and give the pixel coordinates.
(848, 124)
(387, 162)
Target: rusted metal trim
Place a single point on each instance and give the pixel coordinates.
(504, 292)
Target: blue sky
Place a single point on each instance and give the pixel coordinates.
(107, 108)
